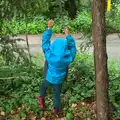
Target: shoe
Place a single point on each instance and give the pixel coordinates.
(42, 103)
(56, 111)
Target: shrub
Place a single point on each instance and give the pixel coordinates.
(23, 89)
(112, 19)
(82, 23)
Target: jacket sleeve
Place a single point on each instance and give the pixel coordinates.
(71, 46)
(46, 43)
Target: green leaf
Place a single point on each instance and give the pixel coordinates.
(16, 118)
(22, 114)
(69, 116)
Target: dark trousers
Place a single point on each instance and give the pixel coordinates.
(56, 88)
(56, 92)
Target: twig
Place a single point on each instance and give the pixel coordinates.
(9, 78)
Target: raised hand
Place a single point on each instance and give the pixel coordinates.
(50, 23)
(66, 31)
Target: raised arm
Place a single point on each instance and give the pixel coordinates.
(46, 43)
(71, 43)
(71, 46)
(46, 40)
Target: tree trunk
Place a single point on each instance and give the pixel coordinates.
(100, 59)
(26, 34)
(60, 6)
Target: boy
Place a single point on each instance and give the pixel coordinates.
(58, 56)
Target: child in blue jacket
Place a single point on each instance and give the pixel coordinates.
(58, 55)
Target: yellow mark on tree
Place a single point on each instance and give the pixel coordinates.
(108, 5)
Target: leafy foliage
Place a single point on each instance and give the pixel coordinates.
(113, 19)
(22, 90)
(82, 23)
(10, 51)
(114, 87)
(20, 78)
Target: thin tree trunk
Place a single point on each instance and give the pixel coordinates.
(60, 6)
(28, 47)
(100, 59)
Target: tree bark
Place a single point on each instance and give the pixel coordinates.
(100, 59)
(26, 34)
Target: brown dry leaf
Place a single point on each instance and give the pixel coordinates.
(42, 118)
(79, 114)
(63, 118)
(23, 118)
(2, 113)
(32, 117)
(74, 105)
(88, 119)
(58, 119)
(16, 116)
(88, 105)
(95, 115)
(19, 109)
(23, 106)
(82, 103)
(45, 114)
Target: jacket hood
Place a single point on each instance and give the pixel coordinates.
(59, 46)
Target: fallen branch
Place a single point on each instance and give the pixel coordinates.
(8, 78)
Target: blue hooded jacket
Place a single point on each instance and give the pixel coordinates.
(59, 55)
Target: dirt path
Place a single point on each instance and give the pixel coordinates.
(113, 44)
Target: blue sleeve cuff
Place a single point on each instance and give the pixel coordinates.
(68, 36)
